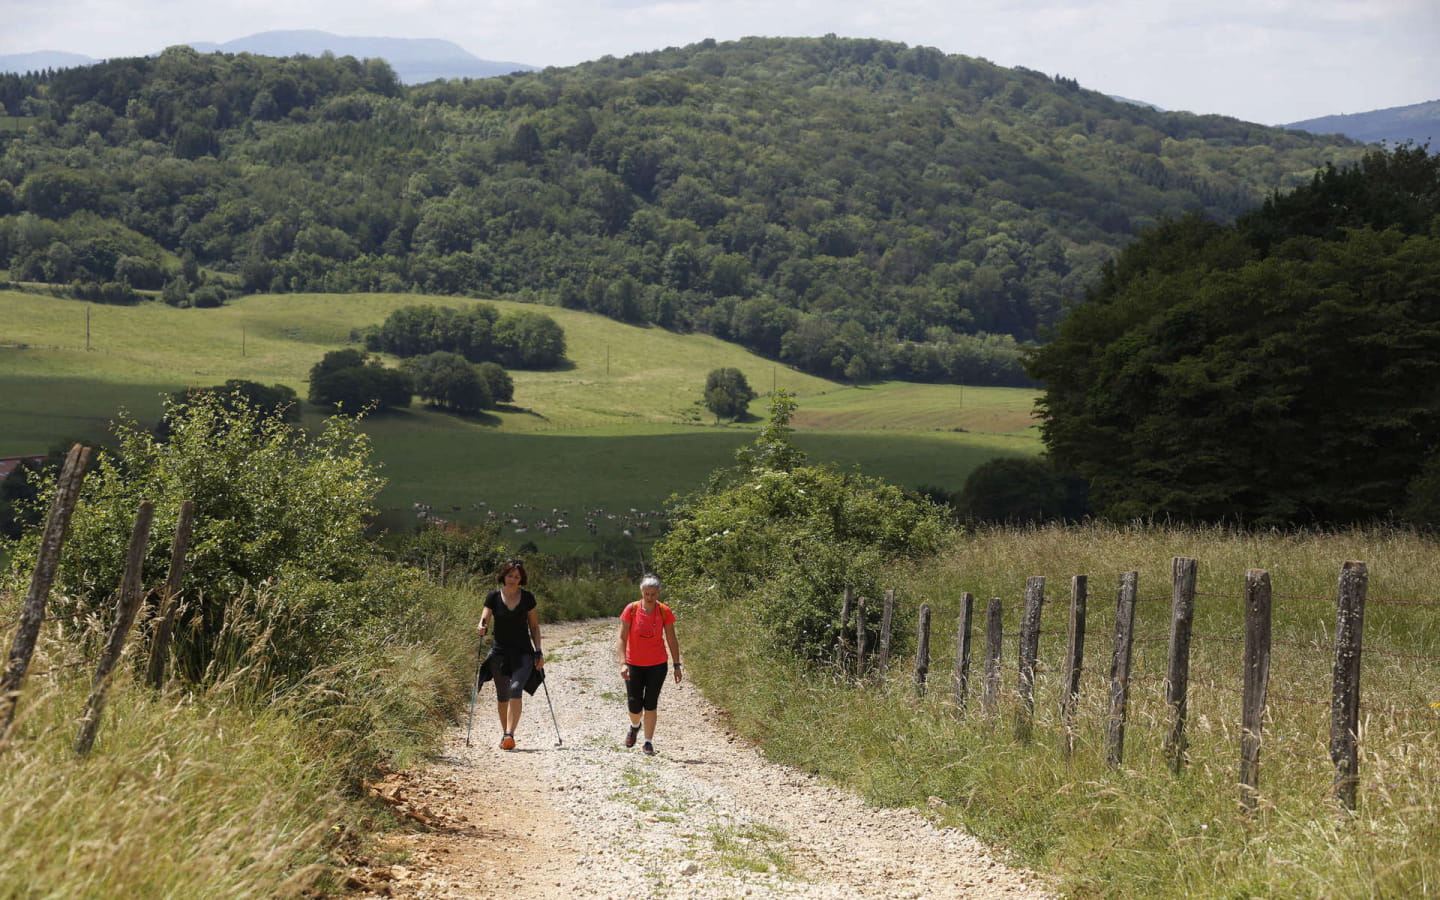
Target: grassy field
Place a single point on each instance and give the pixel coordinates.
(621, 427)
(1136, 830)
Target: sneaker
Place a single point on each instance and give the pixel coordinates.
(649, 749)
(507, 742)
(630, 735)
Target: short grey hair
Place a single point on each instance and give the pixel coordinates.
(650, 581)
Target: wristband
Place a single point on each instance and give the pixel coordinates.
(678, 666)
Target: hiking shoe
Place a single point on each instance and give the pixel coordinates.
(649, 749)
(630, 735)
(507, 742)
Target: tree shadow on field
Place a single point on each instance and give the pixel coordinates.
(521, 410)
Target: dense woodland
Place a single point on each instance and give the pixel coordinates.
(855, 208)
(1280, 370)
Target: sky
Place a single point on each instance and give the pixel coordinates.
(1266, 61)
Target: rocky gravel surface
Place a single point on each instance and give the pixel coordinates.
(707, 817)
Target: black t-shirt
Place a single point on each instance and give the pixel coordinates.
(511, 627)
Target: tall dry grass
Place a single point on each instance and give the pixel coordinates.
(246, 786)
(1138, 830)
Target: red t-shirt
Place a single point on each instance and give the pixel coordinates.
(646, 644)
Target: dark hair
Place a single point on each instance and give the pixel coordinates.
(509, 566)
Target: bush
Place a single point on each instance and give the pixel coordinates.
(791, 537)
(271, 506)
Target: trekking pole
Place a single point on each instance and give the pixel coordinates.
(474, 692)
(559, 741)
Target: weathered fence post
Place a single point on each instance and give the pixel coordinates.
(1120, 668)
(842, 660)
(922, 651)
(1257, 682)
(32, 611)
(1029, 654)
(1074, 660)
(1177, 683)
(994, 634)
(170, 602)
(962, 650)
(125, 609)
(887, 622)
(1345, 700)
(859, 638)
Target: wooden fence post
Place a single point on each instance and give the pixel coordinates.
(32, 611)
(859, 638)
(1257, 682)
(1345, 699)
(887, 622)
(962, 650)
(1074, 660)
(1177, 683)
(1028, 655)
(994, 634)
(842, 661)
(1120, 668)
(170, 602)
(922, 651)
(125, 609)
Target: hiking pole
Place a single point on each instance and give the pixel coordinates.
(474, 691)
(559, 741)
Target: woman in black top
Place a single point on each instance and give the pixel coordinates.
(516, 652)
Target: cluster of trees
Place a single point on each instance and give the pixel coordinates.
(1283, 369)
(524, 339)
(352, 380)
(855, 208)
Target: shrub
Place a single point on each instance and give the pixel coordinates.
(791, 537)
(271, 506)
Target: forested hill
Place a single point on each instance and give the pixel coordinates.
(856, 208)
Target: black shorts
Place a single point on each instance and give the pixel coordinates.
(643, 688)
(508, 686)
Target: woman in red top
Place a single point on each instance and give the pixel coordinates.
(647, 628)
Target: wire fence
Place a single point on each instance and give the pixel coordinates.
(981, 633)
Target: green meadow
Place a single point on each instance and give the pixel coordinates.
(621, 427)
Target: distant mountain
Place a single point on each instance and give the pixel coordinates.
(415, 60)
(39, 61)
(1419, 123)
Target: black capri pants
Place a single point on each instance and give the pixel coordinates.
(643, 688)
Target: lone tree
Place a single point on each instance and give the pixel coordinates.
(727, 393)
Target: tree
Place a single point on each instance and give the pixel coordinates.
(276, 401)
(348, 379)
(1017, 491)
(529, 340)
(784, 539)
(447, 380)
(271, 504)
(1278, 375)
(501, 385)
(727, 393)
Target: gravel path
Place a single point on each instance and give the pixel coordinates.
(708, 817)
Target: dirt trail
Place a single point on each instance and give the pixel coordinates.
(708, 817)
